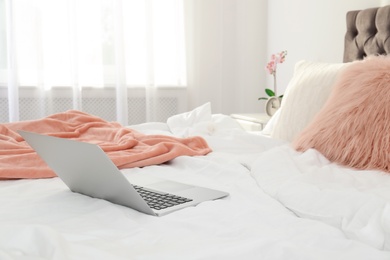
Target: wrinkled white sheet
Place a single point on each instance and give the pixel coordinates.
(42, 219)
(355, 202)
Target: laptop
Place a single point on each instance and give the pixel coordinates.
(86, 169)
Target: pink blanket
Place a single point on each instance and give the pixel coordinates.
(126, 147)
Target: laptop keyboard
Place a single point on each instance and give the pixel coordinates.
(159, 201)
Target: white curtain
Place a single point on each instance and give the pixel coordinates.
(131, 61)
(121, 60)
(226, 54)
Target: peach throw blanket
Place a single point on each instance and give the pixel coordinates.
(126, 147)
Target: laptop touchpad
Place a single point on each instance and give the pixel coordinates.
(170, 186)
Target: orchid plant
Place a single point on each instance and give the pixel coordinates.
(271, 69)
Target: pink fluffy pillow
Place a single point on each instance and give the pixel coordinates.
(353, 127)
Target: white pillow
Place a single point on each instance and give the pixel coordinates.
(271, 124)
(194, 122)
(305, 95)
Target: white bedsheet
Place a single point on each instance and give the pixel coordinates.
(355, 202)
(267, 215)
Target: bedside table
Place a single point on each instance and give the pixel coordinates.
(252, 121)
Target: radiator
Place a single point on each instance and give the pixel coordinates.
(99, 102)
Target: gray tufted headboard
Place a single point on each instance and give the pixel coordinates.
(368, 33)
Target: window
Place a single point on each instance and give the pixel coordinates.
(111, 58)
(93, 43)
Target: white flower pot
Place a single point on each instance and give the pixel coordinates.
(272, 105)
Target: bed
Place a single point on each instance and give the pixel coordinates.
(314, 185)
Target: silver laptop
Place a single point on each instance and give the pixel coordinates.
(86, 169)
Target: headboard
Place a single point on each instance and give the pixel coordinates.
(368, 33)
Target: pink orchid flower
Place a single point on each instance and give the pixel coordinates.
(275, 59)
(271, 69)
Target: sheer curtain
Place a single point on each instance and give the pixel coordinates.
(121, 60)
(226, 54)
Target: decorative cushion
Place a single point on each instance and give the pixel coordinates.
(353, 128)
(305, 95)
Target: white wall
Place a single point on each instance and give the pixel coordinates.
(307, 29)
(232, 40)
